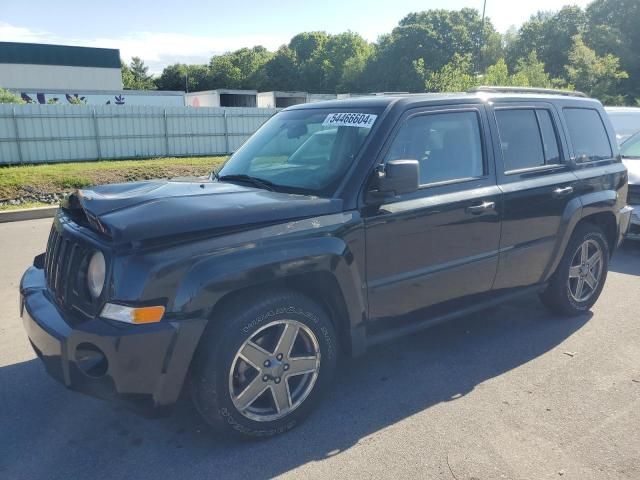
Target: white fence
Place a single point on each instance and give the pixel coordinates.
(66, 133)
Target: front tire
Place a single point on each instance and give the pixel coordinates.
(264, 364)
(579, 279)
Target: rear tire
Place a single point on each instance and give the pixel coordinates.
(264, 364)
(580, 276)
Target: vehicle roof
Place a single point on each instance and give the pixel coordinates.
(622, 109)
(408, 100)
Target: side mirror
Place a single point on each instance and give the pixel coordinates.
(397, 178)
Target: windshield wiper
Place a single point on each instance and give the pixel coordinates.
(258, 182)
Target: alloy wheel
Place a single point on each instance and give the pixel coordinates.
(274, 371)
(585, 271)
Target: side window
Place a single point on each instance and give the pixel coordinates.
(588, 135)
(447, 145)
(528, 138)
(549, 138)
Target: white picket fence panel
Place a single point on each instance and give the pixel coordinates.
(67, 133)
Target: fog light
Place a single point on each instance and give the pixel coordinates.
(135, 315)
(91, 361)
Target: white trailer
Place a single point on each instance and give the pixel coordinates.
(280, 99)
(222, 97)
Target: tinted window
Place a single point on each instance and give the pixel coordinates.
(549, 139)
(527, 138)
(588, 135)
(447, 145)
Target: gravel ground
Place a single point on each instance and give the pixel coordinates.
(510, 393)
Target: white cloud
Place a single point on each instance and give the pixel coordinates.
(156, 49)
(161, 49)
(12, 33)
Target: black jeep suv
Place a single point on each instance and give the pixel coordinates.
(338, 225)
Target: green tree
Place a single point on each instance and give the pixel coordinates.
(432, 36)
(613, 28)
(347, 54)
(137, 77)
(598, 76)
(281, 71)
(498, 75)
(550, 35)
(173, 77)
(312, 60)
(455, 76)
(7, 96)
(223, 73)
(243, 68)
(533, 70)
(127, 76)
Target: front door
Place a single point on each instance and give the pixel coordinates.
(440, 242)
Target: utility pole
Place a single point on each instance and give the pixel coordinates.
(481, 42)
(186, 79)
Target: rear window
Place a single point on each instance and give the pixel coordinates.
(527, 138)
(588, 135)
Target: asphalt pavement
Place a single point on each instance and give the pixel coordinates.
(511, 392)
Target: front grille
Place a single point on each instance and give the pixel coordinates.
(64, 266)
(633, 197)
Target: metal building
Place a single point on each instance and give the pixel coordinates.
(48, 67)
(320, 97)
(222, 98)
(280, 99)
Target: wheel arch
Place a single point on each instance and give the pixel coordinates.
(596, 208)
(323, 269)
(320, 286)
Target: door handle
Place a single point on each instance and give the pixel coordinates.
(483, 207)
(563, 191)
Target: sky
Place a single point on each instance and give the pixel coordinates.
(191, 31)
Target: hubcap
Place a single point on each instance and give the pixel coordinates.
(274, 371)
(585, 271)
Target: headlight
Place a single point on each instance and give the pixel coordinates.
(95, 274)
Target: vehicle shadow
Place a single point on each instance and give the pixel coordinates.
(627, 258)
(51, 433)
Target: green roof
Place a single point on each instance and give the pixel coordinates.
(42, 54)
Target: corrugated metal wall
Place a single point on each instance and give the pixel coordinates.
(63, 133)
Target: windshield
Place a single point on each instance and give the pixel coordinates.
(631, 148)
(305, 151)
(625, 123)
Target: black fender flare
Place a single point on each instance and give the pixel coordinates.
(212, 278)
(577, 209)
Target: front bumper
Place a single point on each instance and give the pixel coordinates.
(144, 365)
(634, 225)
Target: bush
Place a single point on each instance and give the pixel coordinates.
(9, 97)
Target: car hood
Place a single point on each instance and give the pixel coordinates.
(132, 212)
(633, 168)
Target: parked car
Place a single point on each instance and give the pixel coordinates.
(249, 287)
(625, 120)
(630, 151)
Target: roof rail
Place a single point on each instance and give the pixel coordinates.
(547, 91)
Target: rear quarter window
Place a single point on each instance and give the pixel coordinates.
(587, 134)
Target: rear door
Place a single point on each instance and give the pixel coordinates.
(538, 184)
(440, 242)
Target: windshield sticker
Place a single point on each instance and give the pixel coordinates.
(358, 120)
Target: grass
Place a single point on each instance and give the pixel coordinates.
(22, 206)
(28, 180)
